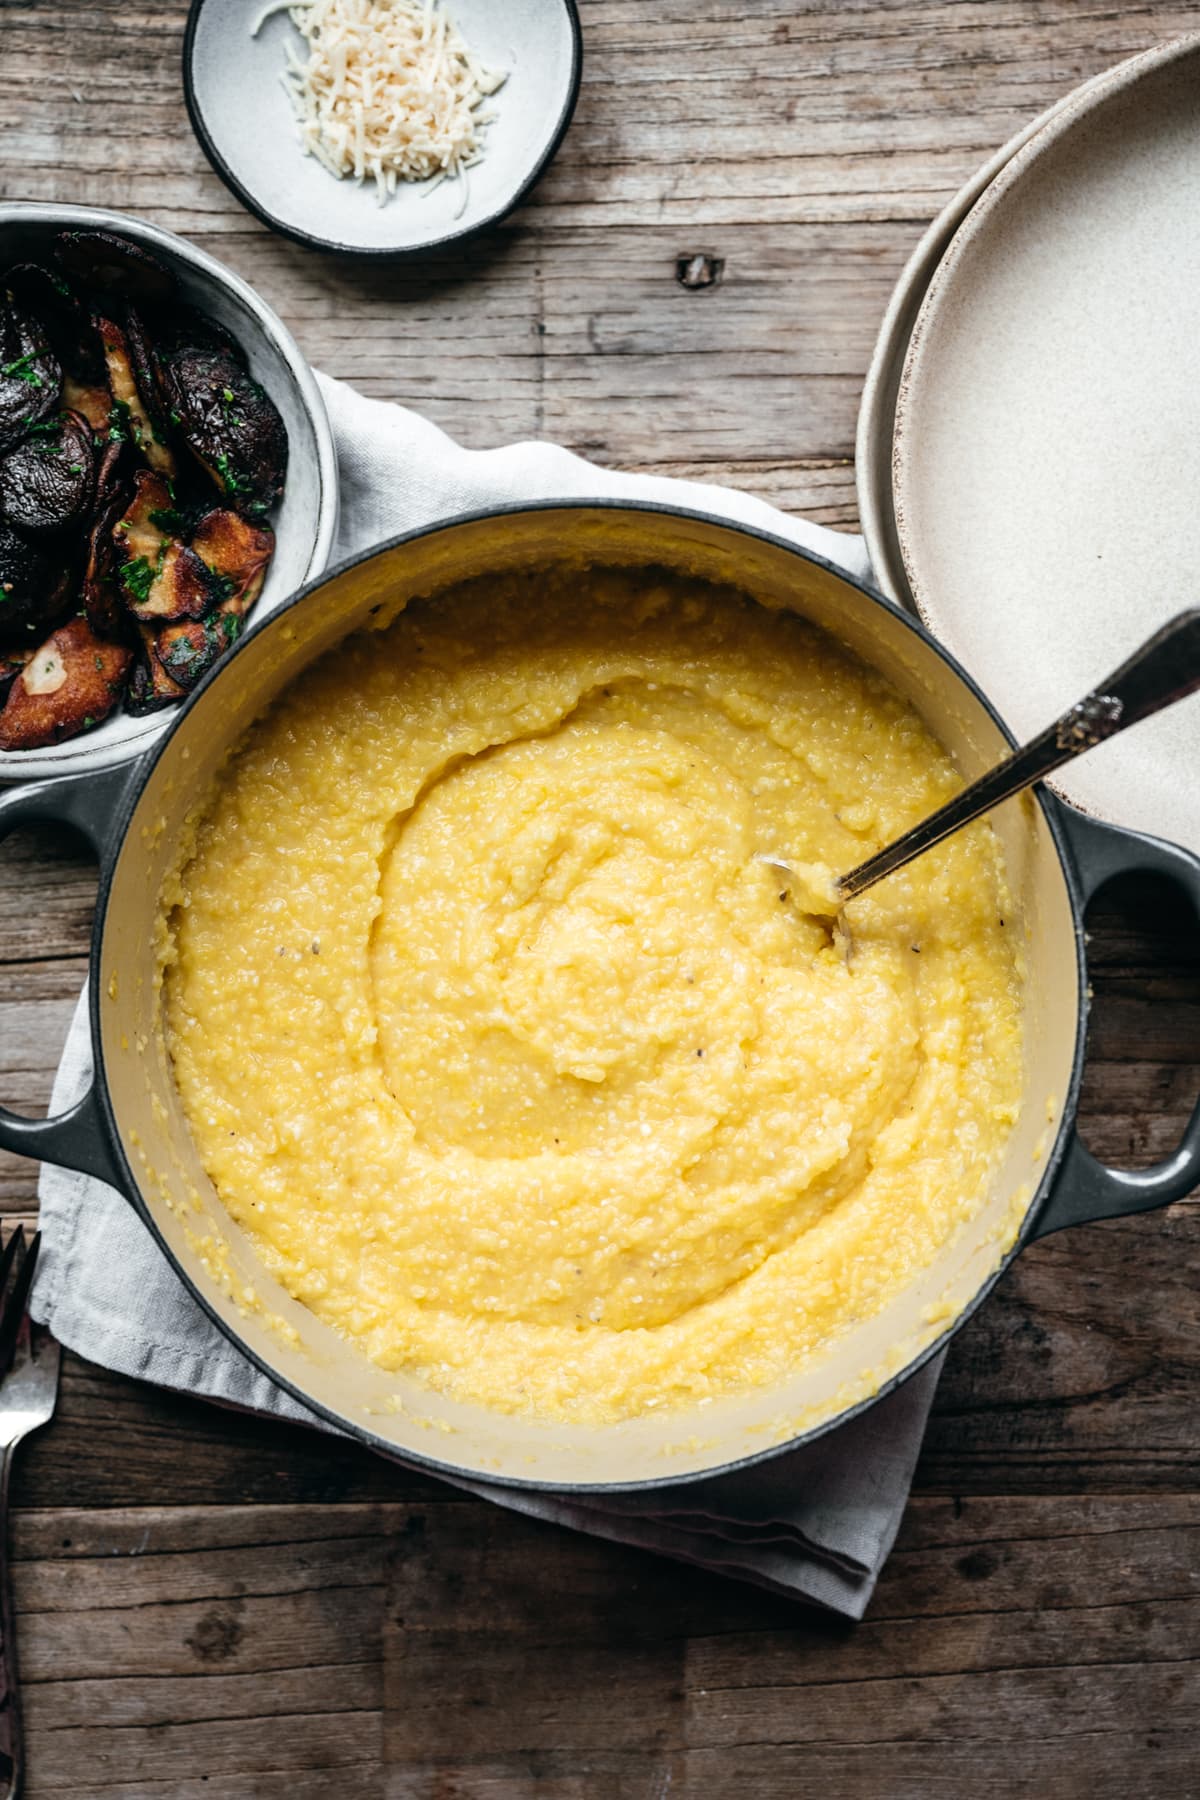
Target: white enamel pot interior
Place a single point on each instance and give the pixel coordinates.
(131, 1128)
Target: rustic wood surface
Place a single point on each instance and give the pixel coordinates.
(214, 1606)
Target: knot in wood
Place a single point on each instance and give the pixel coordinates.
(699, 270)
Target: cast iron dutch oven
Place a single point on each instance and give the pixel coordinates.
(130, 1131)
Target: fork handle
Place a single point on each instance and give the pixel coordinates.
(12, 1753)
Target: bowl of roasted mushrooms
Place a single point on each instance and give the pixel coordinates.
(167, 472)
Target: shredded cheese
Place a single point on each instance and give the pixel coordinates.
(389, 91)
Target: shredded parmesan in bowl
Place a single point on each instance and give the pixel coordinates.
(389, 92)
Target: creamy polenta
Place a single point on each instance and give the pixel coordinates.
(518, 1066)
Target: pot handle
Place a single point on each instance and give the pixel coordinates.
(1086, 1188)
(92, 803)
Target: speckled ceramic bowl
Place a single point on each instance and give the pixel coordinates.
(1046, 457)
(304, 523)
(242, 115)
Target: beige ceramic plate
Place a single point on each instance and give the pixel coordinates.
(1047, 451)
(877, 409)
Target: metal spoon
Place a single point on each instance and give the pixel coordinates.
(1164, 670)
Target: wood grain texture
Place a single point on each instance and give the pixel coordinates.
(213, 1605)
(395, 1649)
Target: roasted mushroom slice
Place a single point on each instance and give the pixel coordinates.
(102, 603)
(182, 587)
(144, 364)
(47, 480)
(35, 587)
(102, 600)
(236, 551)
(128, 407)
(114, 265)
(114, 472)
(71, 682)
(230, 425)
(183, 328)
(66, 321)
(11, 664)
(30, 375)
(150, 687)
(93, 403)
(188, 651)
(148, 524)
(161, 579)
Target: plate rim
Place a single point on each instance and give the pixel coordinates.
(876, 423)
(378, 252)
(1077, 106)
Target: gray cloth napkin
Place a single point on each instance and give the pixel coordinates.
(815, 1524)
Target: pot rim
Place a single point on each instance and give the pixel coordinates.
(140, 773)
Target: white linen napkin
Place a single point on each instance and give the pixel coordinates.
(815, 1523)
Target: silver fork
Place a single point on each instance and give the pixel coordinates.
(29, 1359)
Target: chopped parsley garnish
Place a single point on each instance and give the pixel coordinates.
(232, 484)
(167, 519)
(137, 578)
(23, 369)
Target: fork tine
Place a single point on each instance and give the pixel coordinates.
(12, 1305)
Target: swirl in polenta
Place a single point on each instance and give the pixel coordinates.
(518, 1066)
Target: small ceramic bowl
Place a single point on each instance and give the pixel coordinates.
(242, 114)
(305, 521)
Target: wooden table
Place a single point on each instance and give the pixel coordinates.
(213, 1606)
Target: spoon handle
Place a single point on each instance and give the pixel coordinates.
(1165, 669)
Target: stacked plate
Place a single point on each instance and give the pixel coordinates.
(1029, 439)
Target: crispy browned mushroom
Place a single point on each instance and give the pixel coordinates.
(48, 479)
(235, 550)
(238, 554)
(94, 403)
(230, 425)
(71, 682)
(150, 687)
(129, 407)
(188, 651)
(30, 375)
(35, 587)
(114, 265)
(161, 579)
(149, 521)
